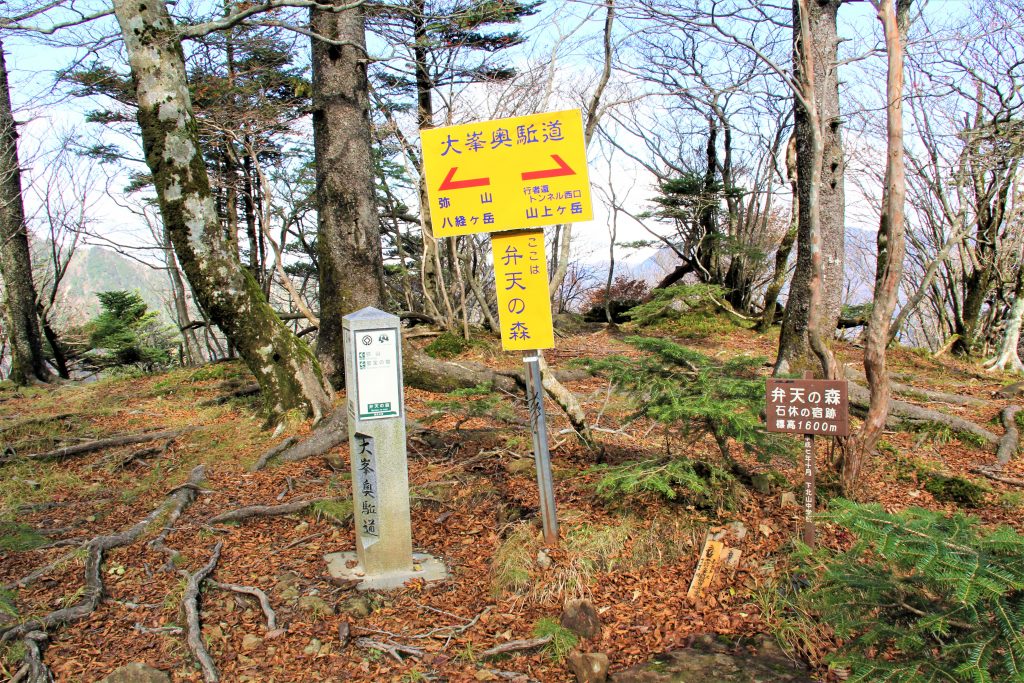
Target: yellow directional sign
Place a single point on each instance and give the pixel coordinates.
(521, 281)
(506, 174)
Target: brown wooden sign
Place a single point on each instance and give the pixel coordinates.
(808, 406)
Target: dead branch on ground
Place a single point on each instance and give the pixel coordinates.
(908, 390)
(268, 611)
(396, 650)
(993, 474)
(515, 646)
(901, 412)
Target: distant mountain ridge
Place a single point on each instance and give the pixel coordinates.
(98, 269)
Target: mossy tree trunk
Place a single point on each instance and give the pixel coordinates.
(284, 366)
(27, 362)
(348, 230)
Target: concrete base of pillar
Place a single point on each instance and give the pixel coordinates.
(346, 565)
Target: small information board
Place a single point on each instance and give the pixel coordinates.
(506, 174)
(808, 406)
(378, 374)
(521, 283)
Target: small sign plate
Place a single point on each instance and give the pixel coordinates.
(808, 406)
(378, 378)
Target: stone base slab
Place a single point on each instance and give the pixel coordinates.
(424, 566)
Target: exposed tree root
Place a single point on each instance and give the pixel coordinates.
(272, 453)
(92, 592)
(993, 474)
(511, 676)
(1005, 450)
(38, 419)
(328, 434)
(143, 453)
(907, 390)
(36, 574)
(187, 493)
(34, 670)
(190, 602)
(901, 412)
(113, 442)
(251, 511)
(1010, 442)
(244, 390)
(268, 611)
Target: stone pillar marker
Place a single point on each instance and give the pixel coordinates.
(377, 450)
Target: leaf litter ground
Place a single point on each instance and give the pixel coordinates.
(474, 505)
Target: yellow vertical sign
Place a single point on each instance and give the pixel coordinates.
(521, 282)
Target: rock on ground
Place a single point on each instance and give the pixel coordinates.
(720, 659)
(589, 667)
(580, 617)
(137, 672)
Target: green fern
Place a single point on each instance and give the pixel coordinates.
(921, 597)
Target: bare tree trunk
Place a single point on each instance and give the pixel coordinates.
(593, 116)
(891, 250)
(804, 308)
(27, 361)
(771, 295)
(914, 300)
(1008, 355)
(193, 353)
(795, 344)
(348, 230)
(478, 291)
(284, 366)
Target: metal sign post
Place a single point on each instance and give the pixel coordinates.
(541, 454)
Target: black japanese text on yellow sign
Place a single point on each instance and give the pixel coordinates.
(504, 174)
(521, 281)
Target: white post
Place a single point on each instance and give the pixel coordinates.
(377, 450)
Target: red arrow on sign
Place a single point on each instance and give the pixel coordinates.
(562, 170)
(450, 184)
